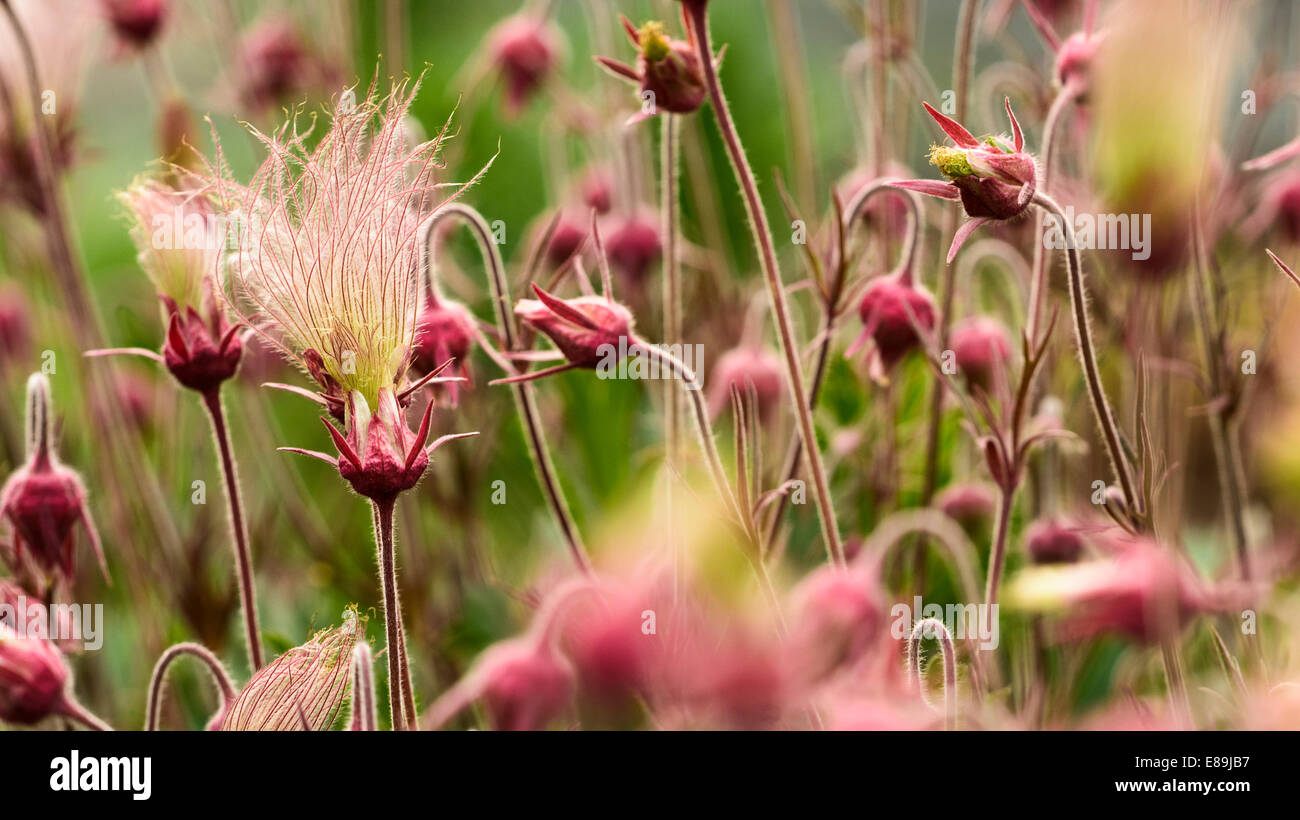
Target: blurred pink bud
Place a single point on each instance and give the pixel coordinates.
(43, 499)
(445, 331)
(565, 241)
(579, 327)
(838, 613)
(741, 367)
(892, 310)
(136, 22)
(981, 347)
(15, 325)
(1074, 61)
(275, 64)
(525, 684)
(1053, 541)
(525, 51)
(598, 191)
(32, 678)
(969, 503)
(633, 246)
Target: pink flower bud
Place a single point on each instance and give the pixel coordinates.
(380, 456)
(838, 614)
(981, 347)
(525, 51)
(1053, 541)
(44, 500)
(15, 325)
(668, 70)
(566, 239)
(32, 678)
(274, 64)
(525, 684)
(598, 191)
(633, 247)
(1074, 61)
(744, 366)
(199, 353)
(445, 331)
(969, 504)
(579, 327)
(136, 22)
(892, 310)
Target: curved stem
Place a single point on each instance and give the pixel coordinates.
(1047, 152)
(699, 20)
(72, 709)
(243, 557)
(939, 632)
(525, 398)
(998, 552)
(398, 680)
(1087, 355)
(225, 688)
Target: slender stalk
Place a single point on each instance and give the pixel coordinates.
(670, 217)
(1222, 432)
(998, 552)
(398, 682)
(74, 710)
(961, 70)
(698, 16)
(1047, 152)
(525, 398)
(243, 557)
(831, 309)
(225, 688)
(794, 82)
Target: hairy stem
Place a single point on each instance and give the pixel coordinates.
(1047, 151)
(74, 710)
(998, 552)
(239, 531)
(225, 688)
(1088, 357)
(699, 20)
(398, 682)
(939, 632)
(525, 398)
(670, 218)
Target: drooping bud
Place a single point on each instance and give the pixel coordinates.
(579, 327)
(981, 347)
(741, 367)
(892, 310)
(969, 504)
(839, 613)
(566, 238)
(1053, 541)
(668, 71)
(525, 684)
(136, 22)
(43, 499)
(274, 64)
(32, 678)
(634, 247)
(445, 331)
(15, 325)
(598, 191)
(525, 51)
(303, 689)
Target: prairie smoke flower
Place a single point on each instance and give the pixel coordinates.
(969, 504)
(981, 346)
(136, 22)
(579, 327)
(43, 499)
(525, 50)
(1075, 54)
(667, 71)
(303, 689)
(275, 64)
(993, 177)
(567, 238)
(179, 251)
(741, 367)
(893, 309)
(445, 332)
(597, 190)
(839, 613)
(33, 678)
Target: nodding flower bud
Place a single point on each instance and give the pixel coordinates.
(136, 22)
(1053, 541)
(993, 177)
(579, 327)
(969, 504)
(892, 310)
(445, 331)
(634, 247)
(525, 684)
(839, 613)
(598, 191)
(302, 690)
(981, 346)
(15, 325)
(44, 500)
(742, 367)
(1074, 62)
(525, 51)
(566, 238)
(275, 64)
(667, 71)
(32, 678)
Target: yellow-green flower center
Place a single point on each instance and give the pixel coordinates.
(653, 41)
(952, 162)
